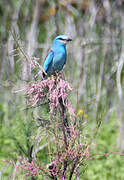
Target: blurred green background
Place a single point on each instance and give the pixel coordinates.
(94, 68)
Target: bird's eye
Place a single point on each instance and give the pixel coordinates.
(61, 39)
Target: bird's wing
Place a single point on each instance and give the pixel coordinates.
(48, 60)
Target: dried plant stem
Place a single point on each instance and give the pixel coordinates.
(72, 170)
(64, 124)
(32, 178)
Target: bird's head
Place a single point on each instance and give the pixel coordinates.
(61, 39)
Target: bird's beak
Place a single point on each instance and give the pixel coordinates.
(69, 39)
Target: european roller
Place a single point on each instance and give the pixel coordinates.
(57, 56)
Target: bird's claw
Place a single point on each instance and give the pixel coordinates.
(52, 77)
(56, 73)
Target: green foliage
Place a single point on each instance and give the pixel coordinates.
(109, 166)
(100, 167)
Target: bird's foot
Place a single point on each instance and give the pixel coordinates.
(57, 73)
(52, 77)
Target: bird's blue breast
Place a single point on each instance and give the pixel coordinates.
(59, 59)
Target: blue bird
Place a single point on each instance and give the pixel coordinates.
(56, 58)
